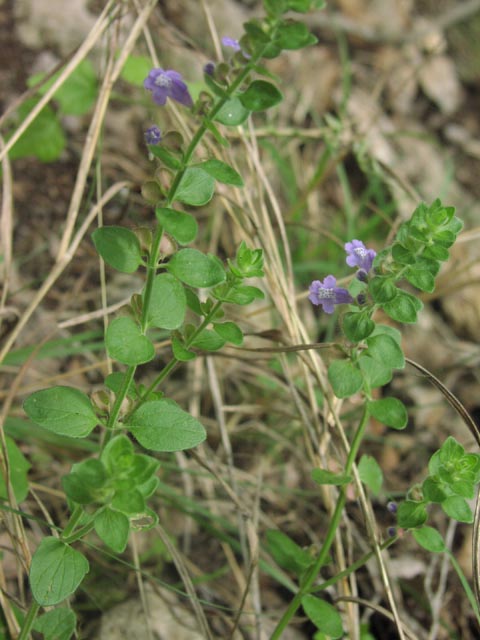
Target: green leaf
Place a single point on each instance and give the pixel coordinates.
(119, 247)
(376, 373)
(385, 350)
(420, 278)
(208, 341)
(85, 480)
(222, 172)
(43, 138)
(401, 254)
(345, 378)
(126, 343)
(260, 95)
(168, 303)
(196, 269)
(63, 410)
(293, 35)
(230, 332)
(114, 382)
(169, 159)
(77, 94)
(370, 473)
(196, 187)
(357, 326)
(323, 476)
(162, 426)
(389, 411)
(57, 624)
(180, 352)
(457, 508)
(56, 571)
(432, 490)
(382, 289)
(112, 527)
(180, 225)
(287, 553)
(277, 7)
(130, 502)
(411, 514)
(241, 295)
(302, 6)
(232, 114)
(136, 69)
(323, 615)
(402, 308)
(18, 467)
(430, 539)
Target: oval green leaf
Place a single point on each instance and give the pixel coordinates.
(119, 247)
(386, 351)
(222, 172)
(18, 467)
(56, 624)
(230, 332)
(196, 187)
(458, 508)
(232, 114)
(323, 615)
(63, 410)
(126, 343)
(411, 514)
(345, 378)
(162, 426)
(180, 225)
(168, 303)
(357, 326)
(260, 95)
(370, 473)
(403, 308)
(113, 527)
(196, 269)
(56, 571)
(389, 411)
(430, 539)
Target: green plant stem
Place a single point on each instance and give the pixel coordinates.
(72, 523)
(465, 585)
(353, 567)
(151, 272)
(312, 573)
(29, 620)
(79, 534)
(153, 259)
(174, 361)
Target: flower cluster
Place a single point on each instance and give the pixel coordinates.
(326, 293)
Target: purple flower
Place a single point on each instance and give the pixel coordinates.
(328, 294)
(167, 84)
(153, 135)
(232, 43)
(359, 256)
(209, 68)
(235, 45)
